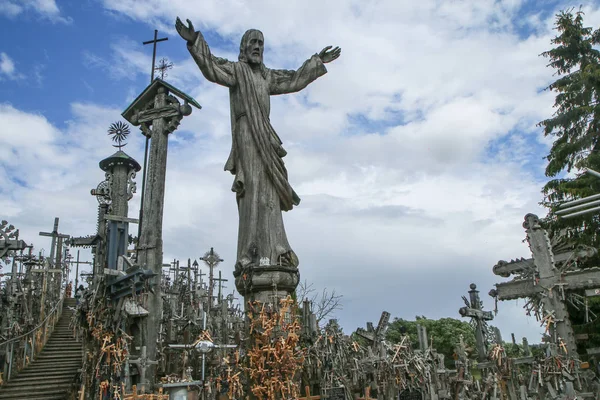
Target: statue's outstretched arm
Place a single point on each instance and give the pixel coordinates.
(186, 32)
(217, 70)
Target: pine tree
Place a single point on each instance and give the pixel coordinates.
(576, 126)
(575, 123)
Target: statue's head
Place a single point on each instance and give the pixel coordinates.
(252, 47)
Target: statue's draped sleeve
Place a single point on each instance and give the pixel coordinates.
(215, 69)
(284, 81)
(221, 71)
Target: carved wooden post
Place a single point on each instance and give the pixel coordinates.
(158, 113)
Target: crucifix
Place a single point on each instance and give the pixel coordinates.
(547, 284)
(142, 363)
(212, 259)
(474, 310)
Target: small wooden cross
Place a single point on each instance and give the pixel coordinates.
(308, 396)
(367, 395)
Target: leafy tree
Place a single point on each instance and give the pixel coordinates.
(444, 333)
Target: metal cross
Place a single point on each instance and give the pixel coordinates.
(154, 42)
(163, 66)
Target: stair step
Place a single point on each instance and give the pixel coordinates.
(58, 396)
(55, 364)
(57, 371)
(61, 349)
(40, 384)
(50, 375)
(51, 366)
(28, 392)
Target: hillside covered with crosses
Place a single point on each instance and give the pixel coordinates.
(104, 314)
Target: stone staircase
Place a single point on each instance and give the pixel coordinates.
(51, 374)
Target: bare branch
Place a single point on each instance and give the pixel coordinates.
(327, 304)
(305, 290)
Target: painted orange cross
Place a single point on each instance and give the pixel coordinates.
(308, 396)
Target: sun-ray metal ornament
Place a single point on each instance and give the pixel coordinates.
(163, 66)
(119, 131)
(211, 258)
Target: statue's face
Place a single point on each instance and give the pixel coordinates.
(255, 46)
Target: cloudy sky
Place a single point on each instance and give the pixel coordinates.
(416, 156)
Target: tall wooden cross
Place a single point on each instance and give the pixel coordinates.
(56, 237)
(221, 286)
(474, 310)
(547, 284)
(54, 260)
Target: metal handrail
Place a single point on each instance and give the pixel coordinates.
(34, 342)
(37, 327)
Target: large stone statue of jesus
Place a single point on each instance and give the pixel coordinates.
(261, 181)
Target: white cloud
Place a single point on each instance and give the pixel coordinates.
(7, 65)
(127, 60)
(47, 9)
(7, 68)
(9, 8)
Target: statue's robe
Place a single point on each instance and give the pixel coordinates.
(261, 183)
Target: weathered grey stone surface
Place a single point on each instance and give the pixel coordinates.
(256, 159)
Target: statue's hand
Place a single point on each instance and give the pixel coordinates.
(327, 55)
(186, 32)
